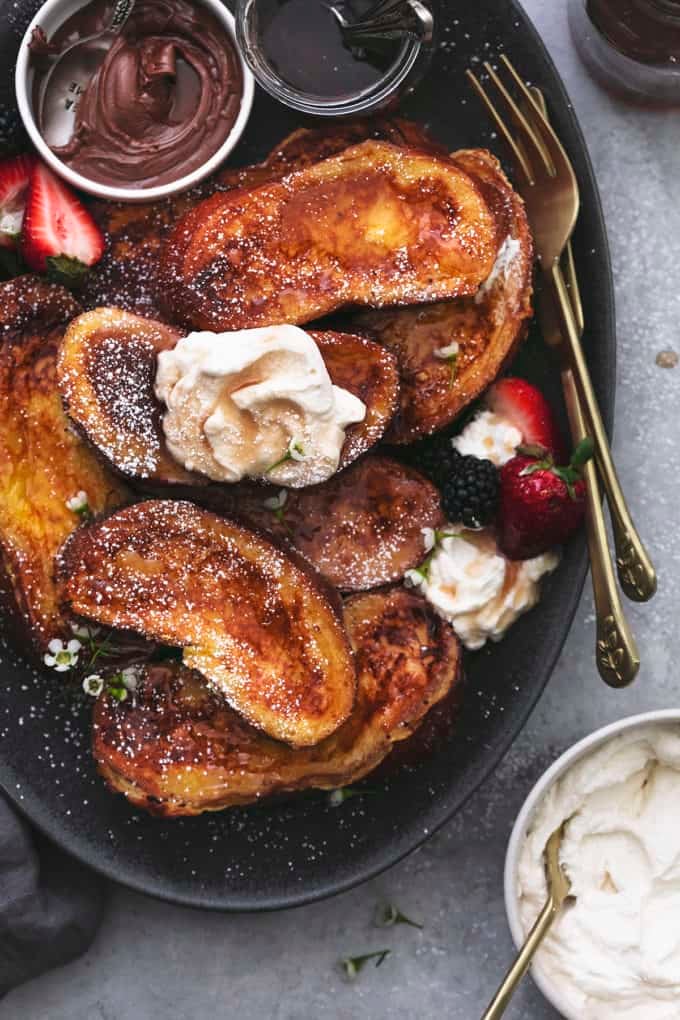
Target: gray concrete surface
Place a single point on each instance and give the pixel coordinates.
(152, 961)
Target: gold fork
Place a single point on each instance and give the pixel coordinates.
(616, 668)
(552, 200)
(551, 194)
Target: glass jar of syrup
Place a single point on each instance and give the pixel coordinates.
(297, 52)
(633, 46)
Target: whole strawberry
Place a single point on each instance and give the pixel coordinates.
(525, 407)
(541, 503)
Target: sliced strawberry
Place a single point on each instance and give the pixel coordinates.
(527, 409)
(15, 174)
(541, 505)
(59, 235)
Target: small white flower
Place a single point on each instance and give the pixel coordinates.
(429, 538)
(130, 677)
(413, 578)
(63, 656)
(277, 502)
(93, 685)
(295, 450)
(450, 351)
(79, 503)
(85, 631)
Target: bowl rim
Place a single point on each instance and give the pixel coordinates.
(111, 192)
(562, 764)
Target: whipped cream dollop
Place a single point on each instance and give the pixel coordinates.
(490, 437)
(469, 583)
(508, 253)
(615, 953)
(256, 403)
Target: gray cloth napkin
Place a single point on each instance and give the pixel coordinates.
(50, 906)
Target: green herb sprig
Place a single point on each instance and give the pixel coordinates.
(353, 965)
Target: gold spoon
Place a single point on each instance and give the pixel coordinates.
(559, 887)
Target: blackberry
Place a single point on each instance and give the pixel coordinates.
(471, 493)
(13, 137)
(435, 458)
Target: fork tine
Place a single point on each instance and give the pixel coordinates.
(543, 125)
(526, 91)
(573, 287)
(568, 264)
(522, 122)
(502, 127)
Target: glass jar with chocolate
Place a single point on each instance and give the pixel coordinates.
(632, 46)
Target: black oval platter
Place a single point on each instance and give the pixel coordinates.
(297, 851)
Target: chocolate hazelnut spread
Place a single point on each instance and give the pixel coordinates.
(644, 30)
(162, 102)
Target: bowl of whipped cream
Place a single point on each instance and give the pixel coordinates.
(614, 951)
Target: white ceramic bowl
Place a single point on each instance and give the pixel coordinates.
(50, 17)
(525, 819)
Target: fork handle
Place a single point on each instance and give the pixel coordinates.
(635, 569)
(616, 653)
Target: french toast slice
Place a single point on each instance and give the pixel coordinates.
(487, 327)
(42, 463)
(178, 749)
(308, 145)
(258, 626)
(106, 371)
(127, 276)
(374, 225)
(361, 529)
(107, 367)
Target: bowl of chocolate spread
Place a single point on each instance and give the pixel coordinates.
(163, 108)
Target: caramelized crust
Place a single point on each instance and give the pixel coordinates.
(360, 366)
(374, 225)
(487, 327)
(249, 619)
(361, 529)
(177, 749)
(128, 274)
(312, 144)
(107, 367)
(106, 371)
(42, 463)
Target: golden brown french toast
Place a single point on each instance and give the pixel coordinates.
(42, 463)
(309, 145)
(106, 370)
(127, 276)
(360, 367)
(360, 529)
(487, 327)
(178, 749)
(258, 626)
(107, 366)
(375, 225)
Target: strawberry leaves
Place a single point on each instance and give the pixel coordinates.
(570, 473)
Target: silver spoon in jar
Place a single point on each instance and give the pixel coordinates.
(68, 77)
(387, 19)
(559, 890)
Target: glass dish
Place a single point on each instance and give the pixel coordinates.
(411, 59)
(632, 48)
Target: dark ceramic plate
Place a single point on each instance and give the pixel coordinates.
(290, 853)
